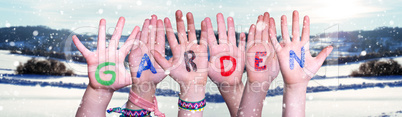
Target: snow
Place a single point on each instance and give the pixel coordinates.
(100, 11)
(363, 53)
(61, 101)
(64, 102)
(44, 101)
(139, 3)
(8, 24)
(168, 3)
(351, 103)
(35, 33)
(12, 44)
(391, 22)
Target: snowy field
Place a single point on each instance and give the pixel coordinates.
(50, 101)
(53, 101)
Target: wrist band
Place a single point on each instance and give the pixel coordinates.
(129, 113)
(142, 103)
(192, 106)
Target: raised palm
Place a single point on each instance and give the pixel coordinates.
(225, 51)
(151, 37)
(106, 65)
(194, 73)
(262, 62)
(304, 66)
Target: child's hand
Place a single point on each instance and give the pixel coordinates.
(226, 64)
(145, 72)
(152, 37)
(188, 66)
(189, 63)
(106, 65)
(106, 69)
(262, 68)
(296, 63)
(262, 62)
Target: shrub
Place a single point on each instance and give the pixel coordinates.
(378, 68)
(46, 67)
(15, 52)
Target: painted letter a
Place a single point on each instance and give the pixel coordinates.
(149, 66)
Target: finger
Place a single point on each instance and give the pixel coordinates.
(284, 29)
(307, 47)
(130, 41)
(152, 33)
(145, 31)
(84, 51)
(191, 28)
(204, 34)
(306, 30)
(165, 64)
(181, 31)
(272, 35)
(259, 28)
(134, 51)
(114, 41)
(265, 36)
(171, 37)
(211, 35)
(170, 33)
(273, 22)
(231, 31)
(160, 37)
(251, 35)
(102, 36)
(295, 27)
(221, 28)
(242, 44)
(323, 54)
(136, 40)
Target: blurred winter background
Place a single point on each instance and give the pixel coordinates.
(43, 74)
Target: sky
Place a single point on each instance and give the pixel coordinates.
(84, 15)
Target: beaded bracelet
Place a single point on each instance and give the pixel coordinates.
(130, 113)
(192, 106)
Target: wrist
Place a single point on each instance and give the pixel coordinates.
(94, 102)
(232, 94)
(296, 86)
(144, 88)
(145, 91)
(295, 91)
(294, 99)
(100, 91)
(192, 92)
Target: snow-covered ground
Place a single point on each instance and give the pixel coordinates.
(52, 101)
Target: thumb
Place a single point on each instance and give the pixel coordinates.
(323, 54)
(80, 46)
(165, 64)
